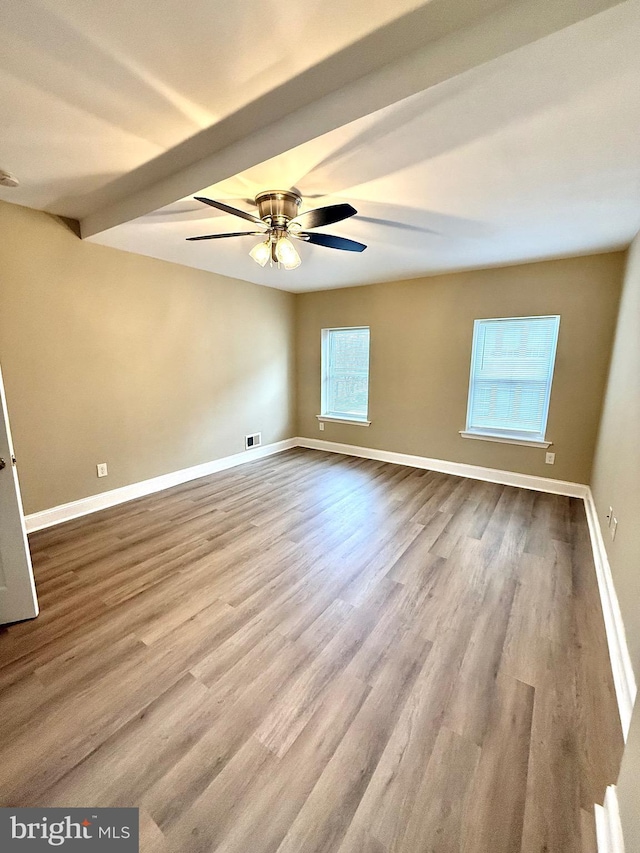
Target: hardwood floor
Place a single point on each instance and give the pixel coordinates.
(319, 653)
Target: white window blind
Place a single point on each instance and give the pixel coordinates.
(511, 372)
(345, 372)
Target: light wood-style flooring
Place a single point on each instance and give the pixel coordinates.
(319, 653)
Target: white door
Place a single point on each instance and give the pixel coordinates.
(17, 589)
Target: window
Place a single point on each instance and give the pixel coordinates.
(511, 372)
(345, 374)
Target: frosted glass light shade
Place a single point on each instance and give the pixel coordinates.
(286, 253)
(261, 253)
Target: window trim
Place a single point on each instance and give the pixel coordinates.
(338, 417)
(503, 439)
(518, 437)
(334, 419)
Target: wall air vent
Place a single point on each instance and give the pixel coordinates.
(254, 440)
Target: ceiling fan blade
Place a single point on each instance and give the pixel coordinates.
(234, 234)
(320, 216)
(332, 242)
(243, 214)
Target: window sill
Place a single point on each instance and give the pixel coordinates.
(334, 419)
(502, 439)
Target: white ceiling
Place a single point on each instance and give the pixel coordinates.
(530, 154)
(91, 90)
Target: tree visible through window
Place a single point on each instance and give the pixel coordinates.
(345, 372)
(511, 372)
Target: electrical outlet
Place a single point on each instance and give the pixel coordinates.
(321, 426)
(613, 527)
(550, 458)
(102, 469)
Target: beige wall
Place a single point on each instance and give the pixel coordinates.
(152, 367)
(421, 334)
(616, 483)
(628, 783)
(118, 358)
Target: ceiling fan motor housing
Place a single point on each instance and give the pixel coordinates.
(278, 207)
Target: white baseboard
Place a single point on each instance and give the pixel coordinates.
(103, 500)
(608, 826)
(94, 503)
(475, 472)
(623, 676)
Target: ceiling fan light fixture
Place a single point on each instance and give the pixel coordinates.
(261, 253)
(286, 253)
(278, 212)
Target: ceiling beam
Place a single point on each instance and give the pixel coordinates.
(438, 41)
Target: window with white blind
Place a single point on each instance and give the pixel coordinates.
(512, 365)
(345, 374)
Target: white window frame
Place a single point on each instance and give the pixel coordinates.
(521, 437)
(338, 417)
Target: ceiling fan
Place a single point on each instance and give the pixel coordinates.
(278, 214)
